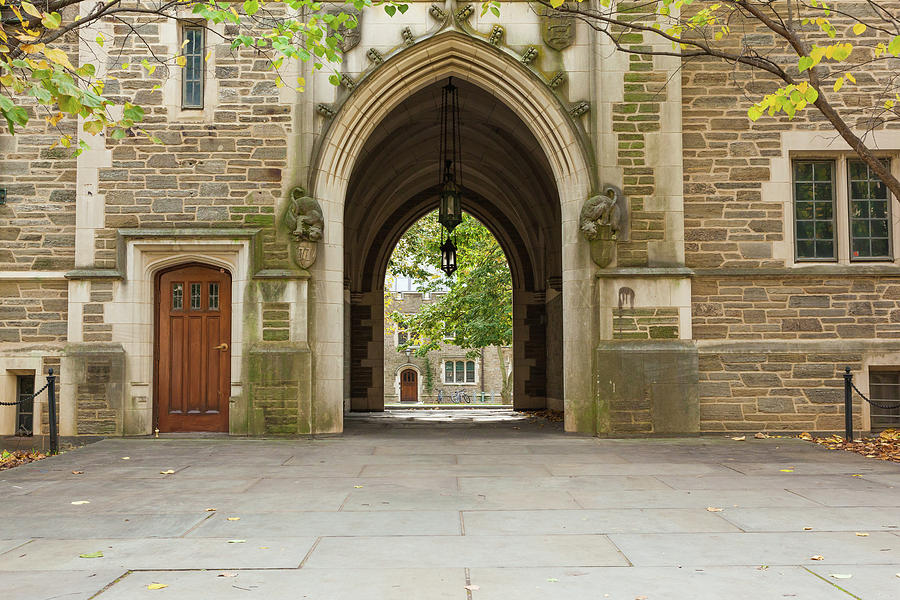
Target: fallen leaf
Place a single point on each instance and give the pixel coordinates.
(157, 586)
(740, 438)
(805, 436)
(77, 472)
(357, 486)
(234, 518)
(126, 458)
(841, 575)
(786, 470)
(860, 534)
(227, 574)
(97, 554)
(640, 598)
(472, 588)
(713, 509)
(817, 557)
(210, 510)
(552, 579)
(169, 472)
(263, 547)
(856, 475)
(762, 568)
(761, 436)
(807, 529)
(79, 502)
(237, 541)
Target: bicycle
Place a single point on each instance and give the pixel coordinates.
(461, 396)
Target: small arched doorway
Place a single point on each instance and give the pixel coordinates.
(193, 349)
(409, 386)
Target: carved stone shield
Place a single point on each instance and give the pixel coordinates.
(351, 35)
(557, 29)
(305, 253)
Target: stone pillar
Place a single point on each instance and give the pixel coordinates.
(367, 351)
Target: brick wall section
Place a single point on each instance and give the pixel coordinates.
(807, 308)
(276, 322)
(773, 391)
(92, 408)
(645, 323)
(32, 311)
(635, 116)
(226, 173)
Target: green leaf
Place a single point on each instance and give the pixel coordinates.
(251, 7)
(97, 554)
(811, 94)
(118, 133)
(51, 20)
(390, 10)
(754, 113)
(133, 113)
(805, 63)
(894, 46)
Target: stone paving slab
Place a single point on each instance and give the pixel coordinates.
(318, 584)
(590, 483)
(87, 526)
(877, 498)
(494, 468)
(730, 549)
(370, 500)
(868, 582)
(53, 585)
(564, 468)
(10, 544)
(780, 481)
(425, 522)
(689, 499)
(661, 583)
(158, 553)
(819, 518)
(467, 551)
(634, 520)
(839, 465)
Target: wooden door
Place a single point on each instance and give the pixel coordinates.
(409, 386)
(193, 349)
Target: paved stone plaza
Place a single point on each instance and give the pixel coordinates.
(502, 509)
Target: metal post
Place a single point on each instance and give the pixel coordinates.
(51, 406)
(848, 405)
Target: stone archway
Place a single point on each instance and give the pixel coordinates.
(548, 260)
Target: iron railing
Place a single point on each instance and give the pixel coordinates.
(50, 386)
(849, 388)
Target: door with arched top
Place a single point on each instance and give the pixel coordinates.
(409, 386)
(193, 349)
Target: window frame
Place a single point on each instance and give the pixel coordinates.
(185, 28)
(455, 362)
(834, 210)
(20, 394)
(889, 217)
(842, 203)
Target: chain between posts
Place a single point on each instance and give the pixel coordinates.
(849, 388)
(50, 386)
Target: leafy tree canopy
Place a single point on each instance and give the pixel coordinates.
(474, 306)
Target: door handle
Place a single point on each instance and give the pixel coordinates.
(222, 346)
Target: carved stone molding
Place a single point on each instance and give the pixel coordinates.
(603, 221)
(306, 222)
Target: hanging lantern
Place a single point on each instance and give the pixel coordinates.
(448, 257)
(450, 160)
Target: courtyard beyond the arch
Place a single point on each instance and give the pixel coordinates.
(510, 509)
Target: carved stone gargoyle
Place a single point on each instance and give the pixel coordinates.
(304, 219)
(604, 220)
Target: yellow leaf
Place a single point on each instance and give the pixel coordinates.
(167, 472)
(31, 9)
(713, 509)
(786, 470)
(208, 54)
(180, 60)
(817, 557)
(31, 48)
(157, 586)
(234, 518)
(59, 57)
(860, 534)
(859, 28)
(838, 84)
(739, 438)
(850, 77)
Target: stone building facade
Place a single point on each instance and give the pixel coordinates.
(439, 370)
(703, 317)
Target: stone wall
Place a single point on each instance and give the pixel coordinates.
(645, 323)
(33, 311)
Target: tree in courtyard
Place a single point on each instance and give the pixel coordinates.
(474, 307)
(39, 40)
(840, 59)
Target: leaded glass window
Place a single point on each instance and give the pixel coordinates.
(213, 296)
(814, 209)
(25, 408)
(192, 72)
(470, 371)
(177, 296)
(196, 289)
(869, 213)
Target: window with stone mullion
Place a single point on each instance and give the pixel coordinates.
(869, 214)
(192, 72)
(814, 210)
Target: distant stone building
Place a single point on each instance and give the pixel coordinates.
(232, 278)
(410, 378)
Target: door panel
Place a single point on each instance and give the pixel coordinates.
(409, 386)
(193, 349)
